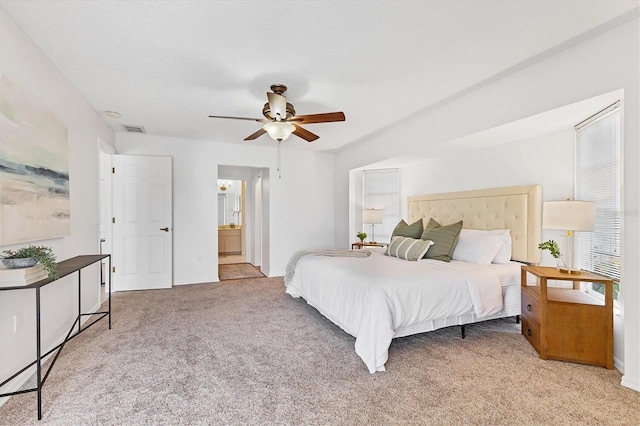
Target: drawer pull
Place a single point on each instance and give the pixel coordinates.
(529, 307)
(528, 332)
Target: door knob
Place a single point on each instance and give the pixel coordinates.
(165, 229)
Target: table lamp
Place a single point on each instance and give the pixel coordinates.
(570, 216)
(373, 217)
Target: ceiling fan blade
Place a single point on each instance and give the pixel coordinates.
(326, 117)
(278, 106)
(259, 120)
(255, 135)
(304, 134)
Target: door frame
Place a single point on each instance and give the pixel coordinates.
(256, 210)
(105, 211)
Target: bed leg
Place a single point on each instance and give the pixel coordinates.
(462, 331)
(517, 319)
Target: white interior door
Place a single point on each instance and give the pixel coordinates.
(142, 223)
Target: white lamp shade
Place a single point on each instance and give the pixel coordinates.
(372, 216)
(569, 215)
(279, 130)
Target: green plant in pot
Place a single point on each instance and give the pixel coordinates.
(553, 248)
(362, 236)
(29, 256)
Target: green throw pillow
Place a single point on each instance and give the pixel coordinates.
(444, 239)
(414, 230)
(407, 248)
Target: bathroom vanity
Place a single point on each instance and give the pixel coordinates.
(229, 240)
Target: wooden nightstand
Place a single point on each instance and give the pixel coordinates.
(567, 324)
(360, 245)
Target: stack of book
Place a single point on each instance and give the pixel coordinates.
(21, 276)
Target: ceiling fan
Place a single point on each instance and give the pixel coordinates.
(281, 119)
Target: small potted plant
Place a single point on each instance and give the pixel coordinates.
(362, 236)
(28, 256)
(553, 248)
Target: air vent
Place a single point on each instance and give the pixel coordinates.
(134, 129)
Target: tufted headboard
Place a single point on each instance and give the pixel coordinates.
(518, 208)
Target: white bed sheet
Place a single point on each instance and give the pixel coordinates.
(377, 298)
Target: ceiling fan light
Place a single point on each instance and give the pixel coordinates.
(279, 130)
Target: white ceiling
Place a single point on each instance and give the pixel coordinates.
(167, 65)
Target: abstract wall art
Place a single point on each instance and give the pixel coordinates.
(34, 170)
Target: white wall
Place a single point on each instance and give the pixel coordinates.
(602, 64)
(300, 204)
(22, 62)
(509, 164)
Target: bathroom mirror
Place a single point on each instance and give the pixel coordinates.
(229, 202)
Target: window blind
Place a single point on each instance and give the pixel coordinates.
(381, 190)
(597, 176)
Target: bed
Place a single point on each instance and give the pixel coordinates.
(375, 297)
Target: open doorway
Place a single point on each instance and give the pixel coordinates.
(252, 222)
(231, 221)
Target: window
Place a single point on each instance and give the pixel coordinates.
(597, 176)
(381, 190)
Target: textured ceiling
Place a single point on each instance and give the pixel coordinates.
(167, 65)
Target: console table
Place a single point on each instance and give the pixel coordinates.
(66, 267)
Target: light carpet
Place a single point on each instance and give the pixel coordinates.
(244, 352)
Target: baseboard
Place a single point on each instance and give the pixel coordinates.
(19, 381)
(631, 383)
(265, 271)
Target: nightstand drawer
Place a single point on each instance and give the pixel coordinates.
(531, 332)
(530, 306)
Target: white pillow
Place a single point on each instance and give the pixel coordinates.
(504, 254)
(483, 247)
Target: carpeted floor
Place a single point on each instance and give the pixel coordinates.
(237, 271)
(243, 352)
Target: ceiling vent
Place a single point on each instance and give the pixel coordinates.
(134, 129)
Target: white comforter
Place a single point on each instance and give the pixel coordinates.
(371, 297)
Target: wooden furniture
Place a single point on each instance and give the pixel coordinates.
(567, 324)
(66, 267)
(363, 244)
(229, 241)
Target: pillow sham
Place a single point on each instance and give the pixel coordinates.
(504, 254)
(408, 248)
(477, 246)
(412, 231)
(444, 239)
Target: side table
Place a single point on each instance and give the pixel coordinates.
(567, 324)
(363, 244)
